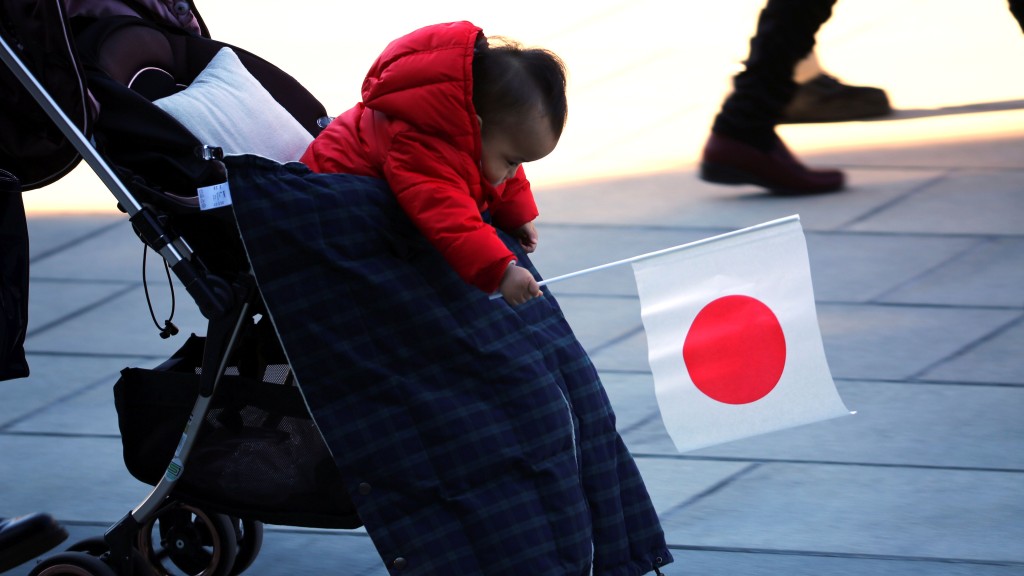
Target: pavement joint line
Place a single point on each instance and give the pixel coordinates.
(652, 418)
(899, 199)
(926, 382)
(903, 234)
(655, 456)
(937, 266)
(44, 280)
(716, 487)
(111, 355)
(35, 331)
(846, 555)
(106, 380)
(31, 434)
(561, 294)
(921, 305)
(923, 168)
(615, 340)
(970, 346)
(75, 241)
(839, 231)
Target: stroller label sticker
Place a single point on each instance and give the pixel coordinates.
(173, 470)
(215, 196)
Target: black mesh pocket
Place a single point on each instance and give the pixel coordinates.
(258, 455)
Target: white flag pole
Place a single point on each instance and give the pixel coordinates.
(585, 271)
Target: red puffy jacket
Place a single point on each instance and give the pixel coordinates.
(416, 128)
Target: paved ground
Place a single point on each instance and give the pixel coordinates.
(919, 279)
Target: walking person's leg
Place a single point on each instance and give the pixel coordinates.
(743, 147)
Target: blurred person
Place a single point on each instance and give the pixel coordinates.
(23, 537)
(743, 147)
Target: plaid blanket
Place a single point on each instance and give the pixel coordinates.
(474, 437)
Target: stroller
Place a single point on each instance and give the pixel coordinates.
(227, 403)
(348, 377)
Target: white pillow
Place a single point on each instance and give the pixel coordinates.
(226, 107)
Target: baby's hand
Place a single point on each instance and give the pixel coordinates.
(518, 285)
(527, 236)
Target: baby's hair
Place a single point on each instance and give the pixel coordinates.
(510, 80)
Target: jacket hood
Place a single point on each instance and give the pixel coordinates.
(425, 79)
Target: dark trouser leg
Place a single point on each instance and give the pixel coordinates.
(1017, 9)
(785, 34)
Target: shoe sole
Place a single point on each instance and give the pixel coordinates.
(720, 174)
(832, 118)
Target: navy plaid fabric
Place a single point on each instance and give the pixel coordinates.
(474, 437)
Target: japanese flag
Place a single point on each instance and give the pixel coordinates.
(733, 336)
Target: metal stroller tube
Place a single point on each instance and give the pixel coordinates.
(212, 294)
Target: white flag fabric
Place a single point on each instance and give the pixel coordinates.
(733, 337)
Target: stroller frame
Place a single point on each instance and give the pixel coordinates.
(227, 306)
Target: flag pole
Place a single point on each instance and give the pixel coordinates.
(585, 271)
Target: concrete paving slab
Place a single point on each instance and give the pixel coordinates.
(51, 302)
(682, 200)
(898, 342)
(54, 380)
(51, 234)
(89, 410)
(75, 478)
(610, 330)
(626, 354)
(770, 563)
(988, 152)
(860, 267)
(949, 515)
(301, 552)
(638, 418)
(990, 273)
(121, 324)
(675, 483)
(600, 321)
(963, 203)
(109, 253)
(995, 360)
(929, 425)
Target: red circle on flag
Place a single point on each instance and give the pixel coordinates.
(735, 350)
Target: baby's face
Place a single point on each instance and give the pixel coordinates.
(506, 147)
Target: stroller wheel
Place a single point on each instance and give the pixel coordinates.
(97, 546)
(72, 564)
(250, 540)
(184, 540)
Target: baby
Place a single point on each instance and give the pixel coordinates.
(448, 120)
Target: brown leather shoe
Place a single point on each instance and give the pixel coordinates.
(25, 537)
(826, 99)
(729, 161)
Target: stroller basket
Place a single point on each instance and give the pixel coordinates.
(259, 454)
